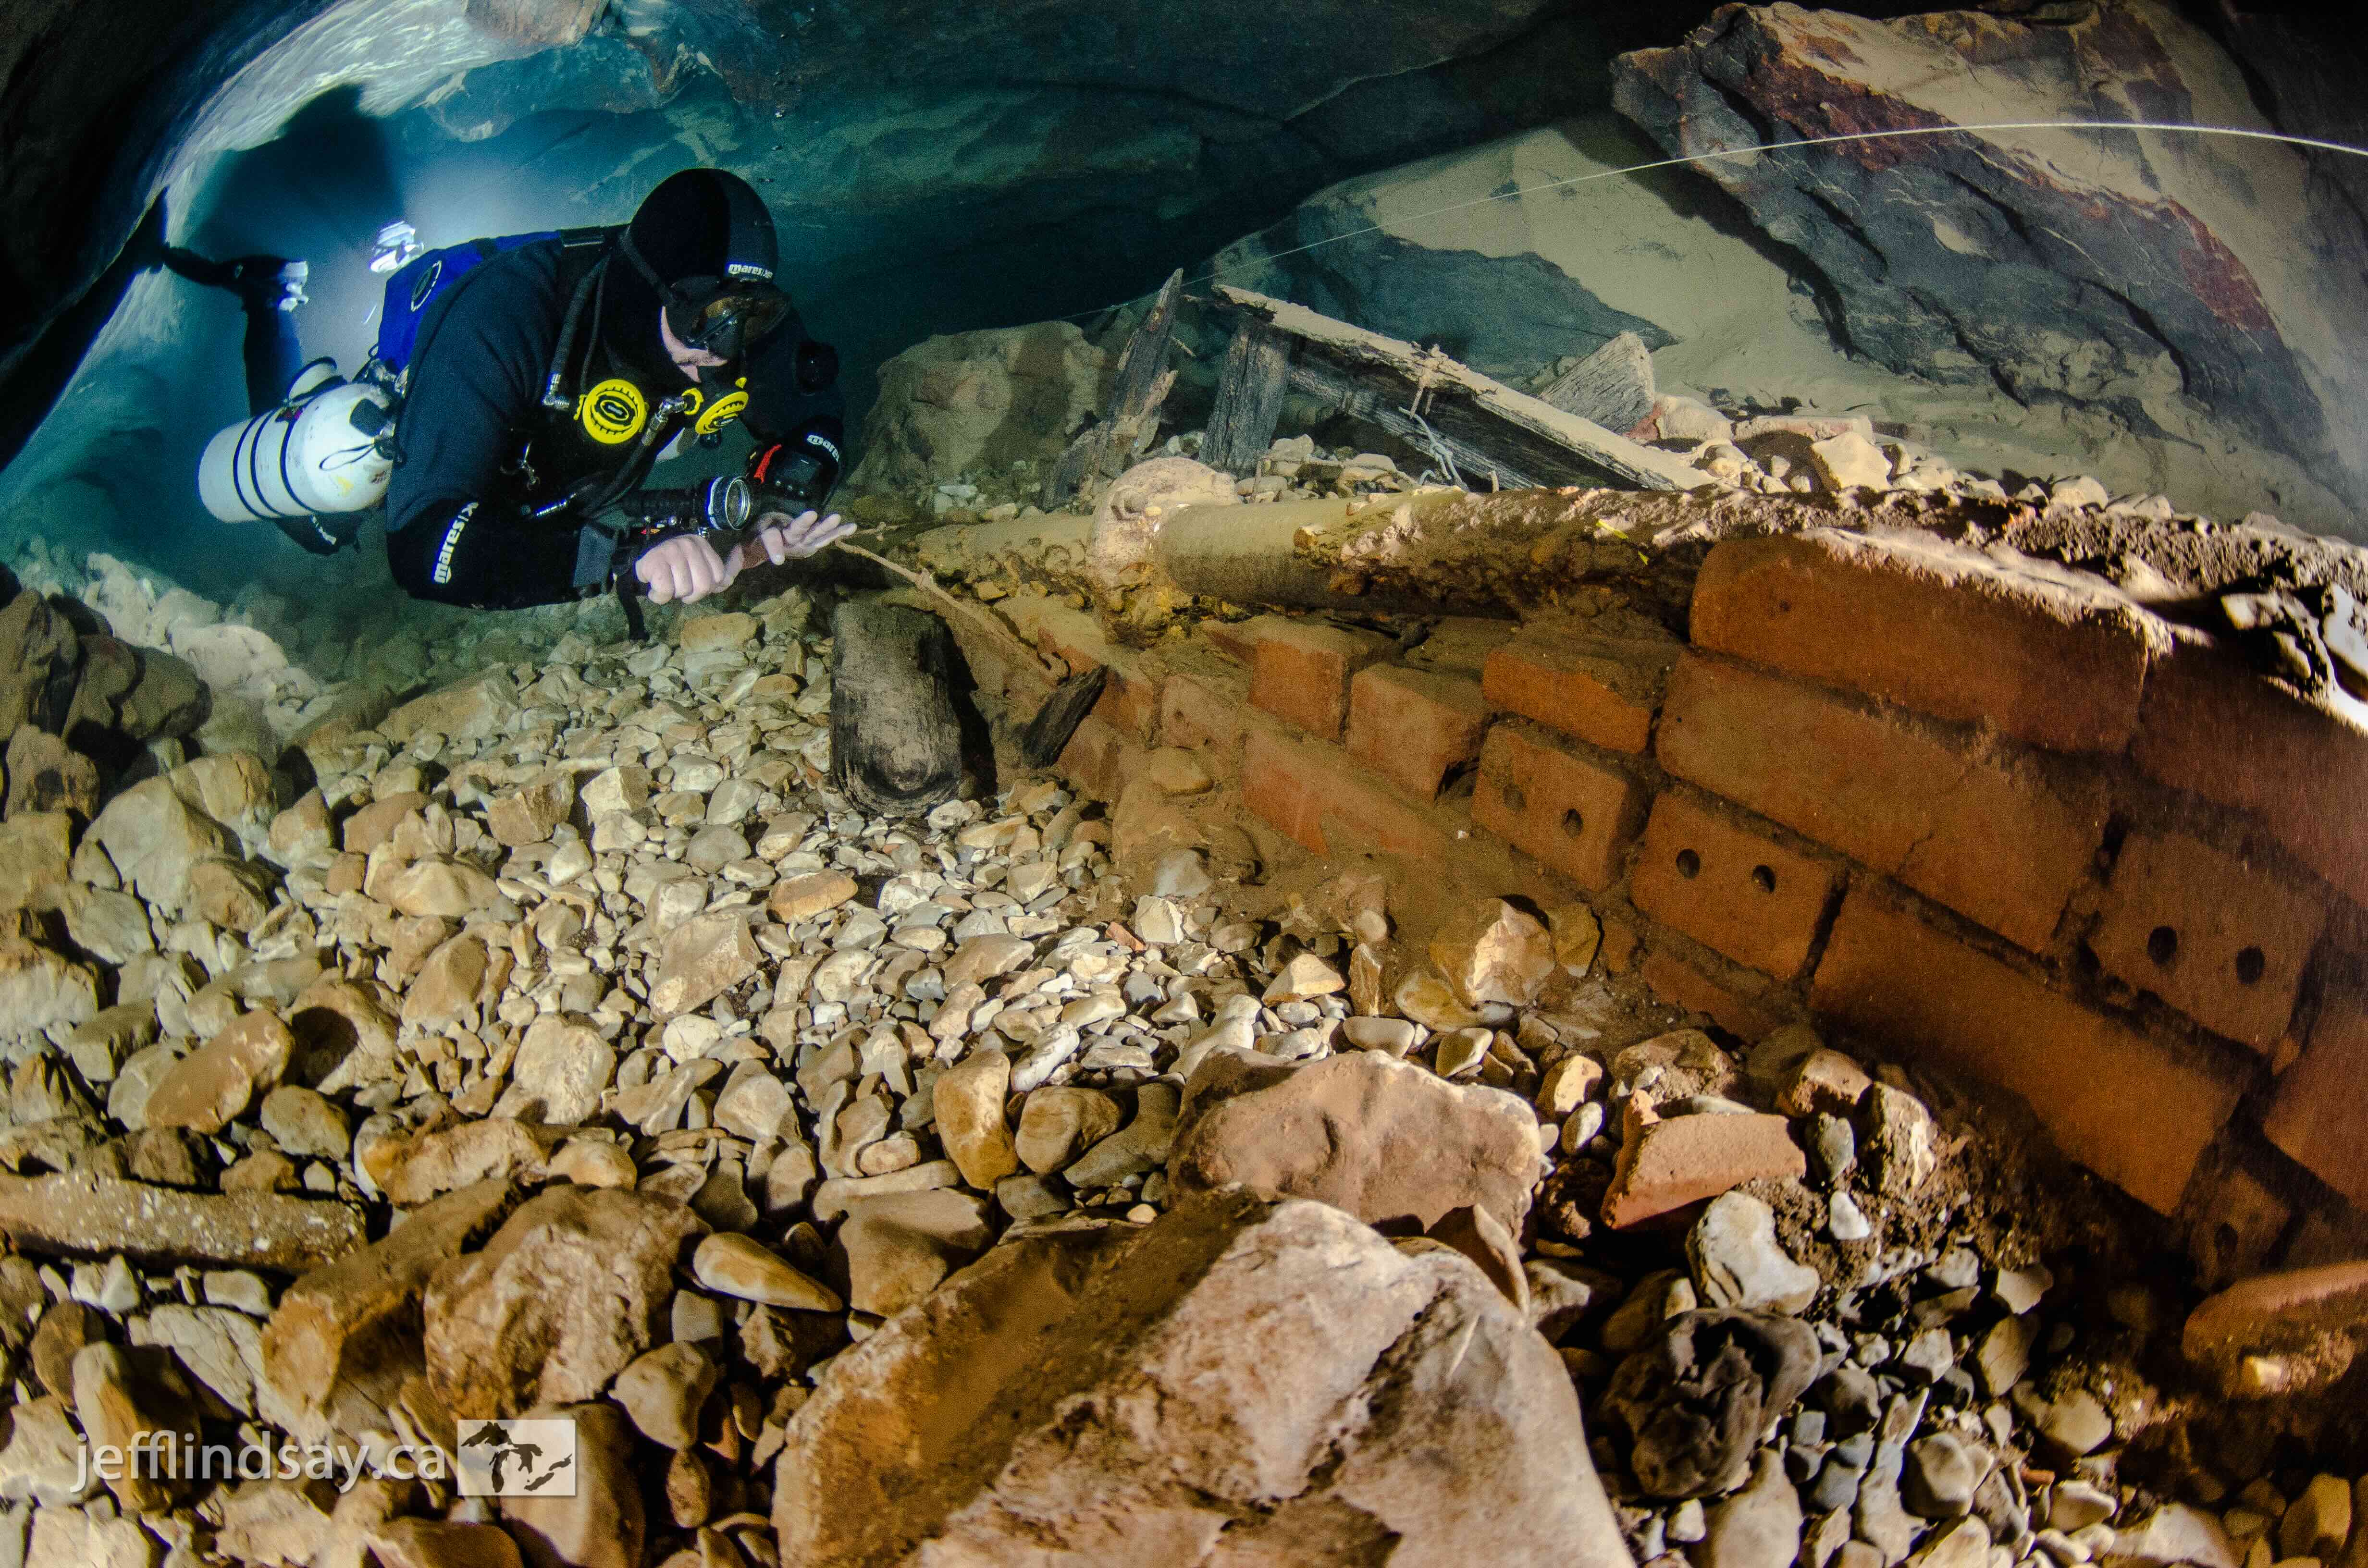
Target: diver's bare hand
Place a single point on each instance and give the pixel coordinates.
(788, 539)
(685, 569)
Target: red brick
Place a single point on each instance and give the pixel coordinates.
(1680, 984)
(1935, 627)
(1669, 1164)
(1301, 673)
(1130, 700)
(1411, 726)
(2318, 1115)
(2212, 726)
(1574, 814)
(1990, 839)
(1597, 690)
(2218, 939)
(1196, 709)
(1238, 640)
(1100, 760)
(1736, 892)
(2115, 1101)
(1312, 793)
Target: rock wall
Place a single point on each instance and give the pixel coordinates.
(2135, 272)
(2037, 304)
(1991, 813)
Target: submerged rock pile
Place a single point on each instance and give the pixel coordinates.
(1022, 1178)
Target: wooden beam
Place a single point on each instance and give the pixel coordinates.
(1136, 393)
(1521, 432)
(1250, 387)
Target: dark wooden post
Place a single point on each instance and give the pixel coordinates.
(1250, 387)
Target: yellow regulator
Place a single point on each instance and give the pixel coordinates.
(613, 412)
(721, 412)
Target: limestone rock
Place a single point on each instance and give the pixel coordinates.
(39, 655)
(1693, 1401)
(36, 852)
(118, 1402)
(156, 839)
(356, 1323)
(1493, 953)
(444, 888)
(1141, 1145)
(529, 813)
(979, 400)
(1060, 1122)
(466, 710)
(561, 1069)
(574, 1285)
(1738, 1263)
(46, 775)
(663, 1390)
(700, 960)
(494, 1148)
(969, 1100)
(212, 1086)
(443, 1543)
(797, 898)
(900, 1245)
(40, 990)
(1136, 1420)
(602, 1524)
(747, 1270)
(1366, 1132)
(1759, 1526)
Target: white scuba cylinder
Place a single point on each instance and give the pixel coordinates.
(316, 452)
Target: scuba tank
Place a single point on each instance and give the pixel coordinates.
(319, 452)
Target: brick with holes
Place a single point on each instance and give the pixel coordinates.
(1994, 837)
(1572, 813)
(2221, 941)
(1735, 890)
(1412, 726)
(2118, 1103)
(1300, 673)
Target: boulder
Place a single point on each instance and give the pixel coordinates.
(599, 1522)
(36, 856)
(702, 958)
(47, 775)
(466, 710)
(211, 1086)
(574, 1284)
(40, 990)
(1380, 1138)
(979, 400)
(346, 1335)
(39, 656)
(1242, 1381)
(156, 839)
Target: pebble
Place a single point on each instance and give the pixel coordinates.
(747, 1270)
(1844, 1221)
(1759, 1526)
(1739, 1265)
(1939, 1478)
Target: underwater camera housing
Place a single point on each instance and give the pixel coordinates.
(321, 450)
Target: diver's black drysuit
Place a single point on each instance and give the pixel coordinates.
(478, 512)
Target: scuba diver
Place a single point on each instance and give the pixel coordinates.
(539, 378)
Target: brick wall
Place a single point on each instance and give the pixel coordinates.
(1993, 816)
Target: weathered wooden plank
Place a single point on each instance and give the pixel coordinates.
(1136, 393)
(1557, 447)
(1479, 470)
(1612, 386)
(1250, 387)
